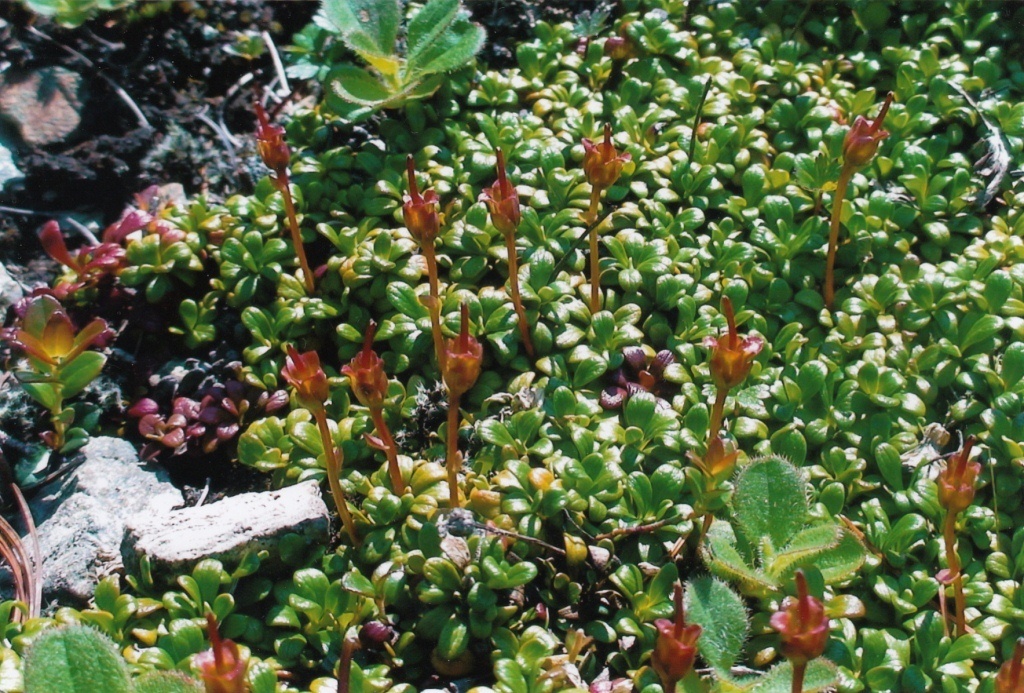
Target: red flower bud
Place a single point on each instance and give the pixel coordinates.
(366, 373)
(1010, 678)
(956, 481)
(273, 149)
(602, 163)
(675, 650)
(303, 372)
(863, 139)
(221, 667)
(463, 356)
(420, 211)
(503, 201)
(731, 357)
(801, 624)
(719, 461)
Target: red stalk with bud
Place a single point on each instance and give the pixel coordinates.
(956, 493)
(859, 149)
(463, 357)
(503, 202)
(303, 372)
(277, 156)
(421, 218)
(222, 667)
(1010, 678)
(369, 383)
(602, 165)
(803, 628)
(675, 649)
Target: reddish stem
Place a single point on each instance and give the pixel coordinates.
(390, 450)
(828, 291)
(293, 226)
(334, 475)
(434, 304)
(953, 560)
(517, 301)
(452, 459)
(798, 677)
(595, 266)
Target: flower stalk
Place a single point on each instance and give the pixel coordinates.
(421, 218)
(503, 202)
(859, 149)
(463, 358)
(803, 628)
(602, 165)
(675, 648)
(369, 383)
(303, 372)
(277, 156)
(956, 493)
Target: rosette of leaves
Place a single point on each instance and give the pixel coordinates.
(438, 39)
(771, 533)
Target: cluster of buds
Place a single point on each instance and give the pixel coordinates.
(1010, 678)
(424, 223)
(801, 624)
(861, 142)
(463, 358)
(731, 355)
(859, 148)
(460, 370)
(956, 481)
(369, 382)
(675, 648)
(222, 667)
(602, 163)
(277, 156)
(503, 202)
(271, 145)
(420, 211)
(303, 372)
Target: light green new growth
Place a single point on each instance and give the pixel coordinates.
(438, 39)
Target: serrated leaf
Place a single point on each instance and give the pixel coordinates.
(843, 560)
(724, 559)
(427, 25)
(802, 548)
(366, 26)
(770, 501)
(713, 605)
(454, 48)
(356, 85)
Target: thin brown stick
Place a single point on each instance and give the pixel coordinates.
(390, 451)
(334, 475)
(828, 291)
(452, 458)
(293, 226)
(517, 301)
(953, 560)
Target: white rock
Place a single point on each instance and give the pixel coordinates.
(176, 540)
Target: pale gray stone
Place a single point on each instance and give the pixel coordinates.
(44, 104)
(81, 516)
(10, 291)
(9, 171)
(174, 541)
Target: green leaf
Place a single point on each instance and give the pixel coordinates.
(44, 393)
(842, 561)
(770, 501)
(724, 559)
(713, 605)
(454, 639)
(427, 25)
(807, 544)
(75, 659)
(166, 682)
(453, 49)
(820, 675)
(366, 26)
(982, 329)
(405, 301)
(358, 86)
(80, 372)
